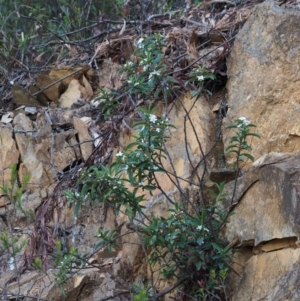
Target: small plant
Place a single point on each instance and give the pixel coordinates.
(9, 241)
(238, 144)
(190, 245)
(141, 296)
(66, 262)
(147, 79)
(14, 191)
(197, 80)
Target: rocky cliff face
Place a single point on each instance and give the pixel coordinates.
(263, 70)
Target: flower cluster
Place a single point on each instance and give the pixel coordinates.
(152, 118)
(121, 156)
(154, 73)
(243, 122)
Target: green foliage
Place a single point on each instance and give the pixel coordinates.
(147, 79)
(108, 239)
(190, 245)
(10, 243)
(66, 262)
(238, 144)
(141, 296)
(183, 245)
(138, 161)
(197, 79)
(14, 192)
(38, 27)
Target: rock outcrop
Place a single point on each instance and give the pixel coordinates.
(263, 70)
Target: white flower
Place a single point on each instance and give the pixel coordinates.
(244, 120)
(200, 78)
(200, 227)
(129, 81)
(141, 183)
(136, 84)
(152, 118)
(146, 67)
(140, 43)
(157, 130)
(119, 154)
(143, 62)
(155, 72)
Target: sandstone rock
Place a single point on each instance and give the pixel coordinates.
(272, 276)
(38, 285)
(193, 133)
(266, 216)
(9, 153)
(86, 145)
(53, 92)
(109, 76)
(263, 79)
(266, 203)
(73, 93)
(87, 87)
(276, 244)
(44, 153)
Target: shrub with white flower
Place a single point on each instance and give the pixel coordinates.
(188, 240)
(147, 78)
(238, 144)
(197, 80)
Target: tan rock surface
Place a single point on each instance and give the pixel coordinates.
(272, 276)
(263, 79)
(44, 153)
(86, 144)
(73, 93)
(267, 206)
(9, 153)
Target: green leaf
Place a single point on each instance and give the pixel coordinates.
(232, 151)
(157, 92)
(253, 134)
(248, 156)
(232, 126)
(149, 187)
(194, 93)
(171, 79)
(232, 139)
(231, 146)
